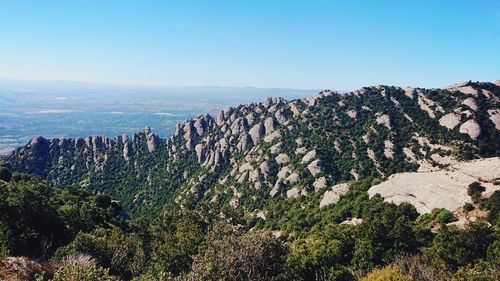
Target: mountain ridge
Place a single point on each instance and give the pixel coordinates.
(251, 153)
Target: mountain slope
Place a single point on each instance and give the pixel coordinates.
(248, 154)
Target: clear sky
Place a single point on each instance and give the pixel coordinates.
(264, 43)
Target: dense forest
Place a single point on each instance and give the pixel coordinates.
(71, 234)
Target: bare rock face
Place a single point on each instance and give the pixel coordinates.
(200, 152)
(495, 117)
(257, 132)
(188, 130)
(284, 172)
(269, 125)
(127, 150)
(353, 221)
(333, 195)
(244, 143)
(471, 103)
(469, 90)
(309, 156)
(315, 167)
(269, 101)
(152, 140)
(388, 149)
(409, 92)
(264, 168)
(124, 138)
(352, 113)
(199, 126)
(250, 118)
(450, 120)
(319, 184)
(384, 120)
(280, 117)
(293, 193)
(439, 189)
(472, 128)
(276, 189)
(243, 177)
(272, 136)
(282, 159)
(292, 178)
(277, 148)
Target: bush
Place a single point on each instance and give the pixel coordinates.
(445, 216)
(454, 247)
(75, 272)
(475, 189)
(420, 269)
(388, 273)
(251, 256)
(481, 272)
(5, 174)
(468, 207)
(493, 205)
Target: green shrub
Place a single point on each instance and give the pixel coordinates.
(475, 189)
(468, 207)
(74, 272)
(445, 216)
(5, 174)
(388, 273)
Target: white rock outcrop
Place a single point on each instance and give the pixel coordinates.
(315, 167)
(282, 159)
(440, 189)
(257, 132)
(333, 195)
(353, 221)
(319, 184)
(495, 117)
(388, 149)
(308, 157)
(472, 128)
(352, 113)
(384, 120)
(471, 103)
(269, 125)
(450, 120)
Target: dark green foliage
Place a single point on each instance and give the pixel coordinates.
(475, 189)
(456, 248)
(5, 174)
(493, 205)
(440, 216)
(74, 272)
(230, 255)
(176, 237)
(37, 218)
(445, 216)
(123, 253)
(468, 207)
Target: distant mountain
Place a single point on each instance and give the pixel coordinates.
(249, 155)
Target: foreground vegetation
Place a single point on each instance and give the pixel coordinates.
(70, 234)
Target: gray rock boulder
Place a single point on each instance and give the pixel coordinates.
(257, 132)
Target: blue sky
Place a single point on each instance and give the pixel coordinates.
(264, 43)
